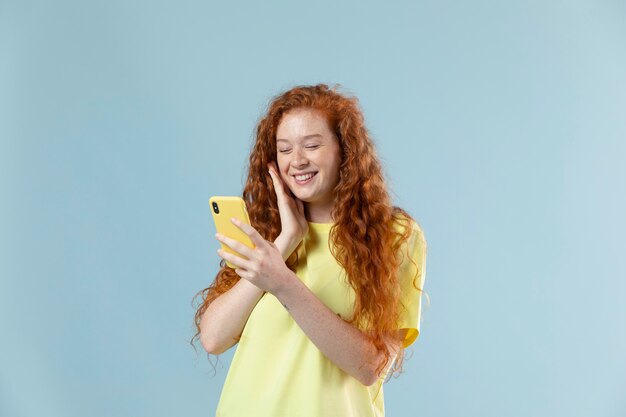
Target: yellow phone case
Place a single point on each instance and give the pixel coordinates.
(223, 209)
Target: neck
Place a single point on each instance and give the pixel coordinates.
(318, 213)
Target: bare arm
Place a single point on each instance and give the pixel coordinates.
(223, 321)
(341, 342)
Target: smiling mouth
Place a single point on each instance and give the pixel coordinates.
(304, 178)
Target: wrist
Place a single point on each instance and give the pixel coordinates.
(288, 285)
(286, 244)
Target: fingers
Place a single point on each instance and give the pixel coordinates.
(283, 194)
(256, 238)
(235, 260)
(242, 273)
(276, 180)
(272, 166)
(235, 245)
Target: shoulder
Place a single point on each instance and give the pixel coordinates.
(411, 241)
(406, 225)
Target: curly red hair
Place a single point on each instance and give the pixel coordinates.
(364, 240)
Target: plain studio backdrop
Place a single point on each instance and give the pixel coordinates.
(501, 127)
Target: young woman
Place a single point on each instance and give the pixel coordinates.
(330, 296)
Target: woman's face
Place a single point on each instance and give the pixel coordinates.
(308, 156)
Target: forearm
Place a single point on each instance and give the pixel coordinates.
(224, 319)
(341, 342)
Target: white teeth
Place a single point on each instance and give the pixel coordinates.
(304, 177)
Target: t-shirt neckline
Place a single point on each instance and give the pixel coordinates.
(320, 227)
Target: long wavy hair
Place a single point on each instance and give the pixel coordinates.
(363, 238)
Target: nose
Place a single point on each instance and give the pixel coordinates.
(298, 159)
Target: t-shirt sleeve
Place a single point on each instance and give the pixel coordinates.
(412, 272)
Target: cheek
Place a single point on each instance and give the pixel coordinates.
(334, 166)
(283, 167)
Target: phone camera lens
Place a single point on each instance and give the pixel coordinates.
(216, 209)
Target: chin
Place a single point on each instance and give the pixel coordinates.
(304, 199)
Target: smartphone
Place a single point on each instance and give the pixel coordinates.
(225, 208)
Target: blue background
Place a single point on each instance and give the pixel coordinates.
(501, 127)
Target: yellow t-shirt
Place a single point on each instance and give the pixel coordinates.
(278, 372)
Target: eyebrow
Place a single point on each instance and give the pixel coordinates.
(315, 135)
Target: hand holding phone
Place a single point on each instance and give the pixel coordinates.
(225, 208)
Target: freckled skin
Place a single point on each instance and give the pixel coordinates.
(305, 143)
